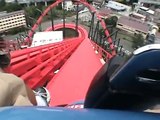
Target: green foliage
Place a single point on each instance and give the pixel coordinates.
(122, 1)
(111, 21)
(101, 32)
(2, 4)
(90, 1)
(59, 7)
(134, 1)
(32, 12)
(138, 41)
(69, 33)
(14, 31)
(59, 13)
(56, 13)
(10, 7)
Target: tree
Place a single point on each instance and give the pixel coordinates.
(32, 12)
(59, 7)
(122, 1)
(89, 1)
(138, 41)
(112, 21)
(16, 1)
(10, 7)
(2, 4)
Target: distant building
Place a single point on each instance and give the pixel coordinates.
(152, 35)
(31, 1)
(137, 16)
(132, 25)
(85, 17)
(157, 17)
(156, 2)
(144, 13)
(81, 8)
(157, 13)
(12, 20)
(98, 3)
(116, 6)
(157, 38)
(105, 12)
(26, 1)
(68, 5)
(9, 1)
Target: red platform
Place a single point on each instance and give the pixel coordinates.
(72, 81)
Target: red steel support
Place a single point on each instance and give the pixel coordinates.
(36, 66)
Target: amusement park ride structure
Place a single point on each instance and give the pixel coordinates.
(66, 69)
(37, 66)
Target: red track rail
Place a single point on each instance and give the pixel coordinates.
(91, 10)
(36, 65)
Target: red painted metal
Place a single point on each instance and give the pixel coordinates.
(71, 83)
(92, 9)
(101, 52)
(36, 66)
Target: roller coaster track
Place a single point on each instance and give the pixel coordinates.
(37, 66)
(92, 10)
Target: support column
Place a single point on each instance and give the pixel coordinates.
(46, 3)
(92, 26)
(96, 32)
(63, 18)
(52, 21)
(77, 17)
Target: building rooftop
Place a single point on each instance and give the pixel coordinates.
(158, 34)
(157, 40)
(3, 13)
(157, 10)
(98, 2)
(150, 1)
(116, 6)
(133, 23)
(11, 13)
(105, 12)
(25, 1)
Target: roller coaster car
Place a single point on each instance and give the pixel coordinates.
(128, 83)
(123, 89)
